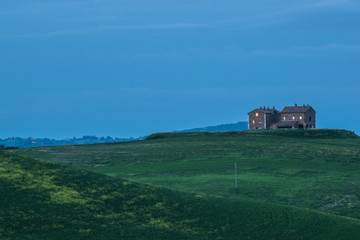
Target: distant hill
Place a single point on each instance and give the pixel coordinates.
(42, 142)
(220, 128)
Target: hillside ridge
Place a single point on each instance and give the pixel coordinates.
(308, 133)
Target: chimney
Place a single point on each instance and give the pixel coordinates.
(274, 107)
(264, 107)
(304, 105)
(295, 105)
(268, 108)
(260, 107)
(308, 105)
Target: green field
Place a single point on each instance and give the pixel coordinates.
(318, 169)
(291, 184)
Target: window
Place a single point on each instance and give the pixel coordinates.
(300, 117)
(293, 118)
(310, 119)
(253, 121)
(257, 114)
(260, 121)
(284, 118)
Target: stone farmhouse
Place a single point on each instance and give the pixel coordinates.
(290, 117)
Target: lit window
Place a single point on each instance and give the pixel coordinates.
(257, 114)
(253, 121)
(300, 117)
(293, 117)
(260, 121)
(284, 118)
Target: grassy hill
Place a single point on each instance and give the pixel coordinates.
(317, 169)
(41, 200)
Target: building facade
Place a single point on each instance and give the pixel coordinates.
(290, 117)
(263, 118)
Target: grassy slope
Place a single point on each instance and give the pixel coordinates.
(318, 169)
(41, 200)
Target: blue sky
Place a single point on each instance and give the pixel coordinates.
(129, 68)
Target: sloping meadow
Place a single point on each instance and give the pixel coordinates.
(41, 200)
(317, 169)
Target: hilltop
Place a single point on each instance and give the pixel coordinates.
(42, 200)
(294, 133)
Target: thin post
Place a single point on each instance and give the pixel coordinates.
(235, 175)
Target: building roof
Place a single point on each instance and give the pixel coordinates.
(265, 110)
(296, 109)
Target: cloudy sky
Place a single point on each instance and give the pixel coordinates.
(129, 68)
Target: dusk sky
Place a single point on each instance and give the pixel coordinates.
(130, 68)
